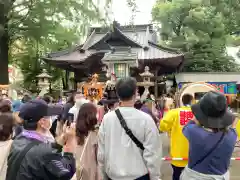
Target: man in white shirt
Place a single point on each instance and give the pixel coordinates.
(79, 101)
(119, 157)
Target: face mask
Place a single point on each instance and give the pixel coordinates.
(47, 124)
(51, 121)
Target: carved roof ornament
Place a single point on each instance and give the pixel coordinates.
(94, 79)
(116, 24)
(146, 72)
(110, 84)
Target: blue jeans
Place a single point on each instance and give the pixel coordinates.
(177, 171)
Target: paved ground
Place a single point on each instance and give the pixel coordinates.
(166, 169)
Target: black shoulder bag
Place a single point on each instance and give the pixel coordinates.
(16, 166)
(127, 130)
(209, 152)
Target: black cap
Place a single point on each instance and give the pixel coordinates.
(34, 110)
(211, 111)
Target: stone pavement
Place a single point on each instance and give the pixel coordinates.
(167, 171)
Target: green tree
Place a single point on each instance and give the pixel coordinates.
(26, 54)
(230, 9)
(34, 20)
(198, 29)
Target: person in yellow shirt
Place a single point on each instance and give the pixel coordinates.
(173, 123)
(237, 126)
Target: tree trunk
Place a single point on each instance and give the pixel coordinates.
(66, 80)
(63, 82)
(4, 59)
(4, 42)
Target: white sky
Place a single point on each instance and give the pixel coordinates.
(122, 13)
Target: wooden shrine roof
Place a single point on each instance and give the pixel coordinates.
(142, 40)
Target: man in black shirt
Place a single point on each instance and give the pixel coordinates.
(32, 157)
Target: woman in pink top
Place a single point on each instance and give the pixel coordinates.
(87, 143)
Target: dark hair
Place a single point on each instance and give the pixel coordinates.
(162, 103)
(105, 106)
(54, 101)
(126, 88)
(70, 99)
(169, 95)
(216, 130)
(5, 106)
(187, 99)
(86, 121)
(26, 98)
(31, 126)
(138, 104)
(47, 99)
(110, 105)
(6, 126)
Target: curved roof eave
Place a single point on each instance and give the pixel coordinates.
(51, 60)
(72, 59)
(64, 52)
(66, 63)
(62, 65)
(168, 49)
(170, 61)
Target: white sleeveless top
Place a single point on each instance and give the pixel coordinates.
(5, 149)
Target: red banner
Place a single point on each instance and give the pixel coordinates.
(185, 116)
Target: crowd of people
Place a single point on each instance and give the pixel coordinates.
(42, 140)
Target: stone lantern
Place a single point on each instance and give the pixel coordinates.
(146, 83)
(169, 84)
(44, 81)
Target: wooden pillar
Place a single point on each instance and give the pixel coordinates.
(156, 82)
(75, 81)
(67, 79)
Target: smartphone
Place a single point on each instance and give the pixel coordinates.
(70, 119)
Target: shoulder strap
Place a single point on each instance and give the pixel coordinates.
(79, 169)
(127, 130)
(85, 146)
(209, 152)
(16, 166)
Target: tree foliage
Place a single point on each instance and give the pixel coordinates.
(199, 28)
(31, 28)
(133, 7)
(40, 18)
(230, 9)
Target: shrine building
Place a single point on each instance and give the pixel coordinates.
(121, 50)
